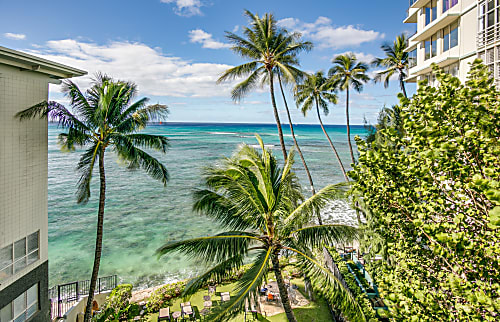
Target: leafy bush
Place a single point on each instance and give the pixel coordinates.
(163, 296)
(360, 296)
(431, 196)
(117, 304)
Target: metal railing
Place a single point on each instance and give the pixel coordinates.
(64, 296)
(488, 36)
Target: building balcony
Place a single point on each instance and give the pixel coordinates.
(425, 67)
(412, 16)
(433, 27)
(415, 4)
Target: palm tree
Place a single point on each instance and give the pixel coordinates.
(268, 50)
(347, 72)
(104, 118)
(258, 203)
(395, 61)
(318, 91)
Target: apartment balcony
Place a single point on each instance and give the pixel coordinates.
(412, 16)
(490, 35)
(433, 27)
(415, 4)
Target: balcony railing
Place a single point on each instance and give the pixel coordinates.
(488, 36)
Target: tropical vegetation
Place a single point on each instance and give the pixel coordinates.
(316, 91)
(266, 215)
(395, 62)
(346, 73)
(272, 51)
(101, 119)
(432, 201)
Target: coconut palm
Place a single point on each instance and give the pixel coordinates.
(102, 119)
(261, 206)
(268, 49)
(317, 91)
(347, 72)
(395, 61)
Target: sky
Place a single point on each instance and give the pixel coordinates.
(175, 50)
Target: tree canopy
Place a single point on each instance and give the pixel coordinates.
(431, 196)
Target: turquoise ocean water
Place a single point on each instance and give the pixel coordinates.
(141, 214)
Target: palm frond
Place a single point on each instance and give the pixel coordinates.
(86, 168)
(212, 249)
(319, 235)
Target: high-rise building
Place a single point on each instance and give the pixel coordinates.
(451, 33)
(24, 82)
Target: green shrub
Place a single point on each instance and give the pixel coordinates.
(163, 296)
(117, 304)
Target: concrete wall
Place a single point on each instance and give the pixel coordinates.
(23, 162)
(72, 314)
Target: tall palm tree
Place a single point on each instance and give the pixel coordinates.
(104, 118)
(347, 72)
(318, 91)
(268, 49)
(395, 61)
(258, 202)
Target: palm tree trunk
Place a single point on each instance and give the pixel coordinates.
(296, 143)
(98, 242)
(307, 281)
(331, 143)
(348, 126)
(402, 83)
(276, 116)
(282, 288)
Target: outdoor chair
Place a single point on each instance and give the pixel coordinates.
(224, 297)
(186, 309)
(207, 298)
(212, 289)
(164, 314)
(207, 304)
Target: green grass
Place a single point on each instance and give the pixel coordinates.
(314, 312)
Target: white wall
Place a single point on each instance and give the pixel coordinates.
(23, 162)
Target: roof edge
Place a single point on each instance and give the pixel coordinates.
(30, 62)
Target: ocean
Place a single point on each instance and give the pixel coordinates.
(141, 214)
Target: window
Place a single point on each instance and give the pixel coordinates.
(431, 47)
(16, 256)
(450, 37)
(488, 18)
(452, 70)
(412, 58)
(22, 308)
(447, 4)
(430, 12)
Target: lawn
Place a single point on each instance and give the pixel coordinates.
(314, 312)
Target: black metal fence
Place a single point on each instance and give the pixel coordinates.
(63, 297)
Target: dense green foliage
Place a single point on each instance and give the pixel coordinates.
(117, 304)
(360, 296)
(163, 296)
(262, 206)
(432, 201)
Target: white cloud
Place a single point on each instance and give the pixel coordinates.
(14, 36)
(186, 8)
(325, 35)
(154, 72)
(363, 57)
(206, 39)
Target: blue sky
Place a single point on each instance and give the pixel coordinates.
(175, 49)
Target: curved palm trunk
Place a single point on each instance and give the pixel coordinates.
(282, 288)
(348, 126)
(98, 242)
(276, 116)
(309, 177)
(307, 281)
(331, 143)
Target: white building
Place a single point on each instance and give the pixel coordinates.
(24, 82)
(451, 33)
